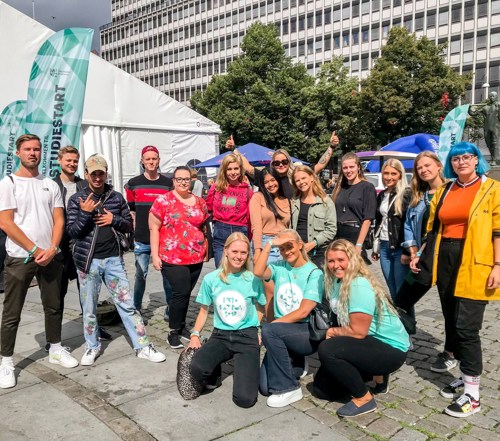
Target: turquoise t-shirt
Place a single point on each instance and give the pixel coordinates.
(291, 285)
(389, 329)
(234, 302)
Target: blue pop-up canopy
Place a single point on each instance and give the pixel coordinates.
(409, 144)
(256, 154)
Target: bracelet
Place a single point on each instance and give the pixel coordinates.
(316, 242)
(359, 245)
(33, 250)
(497, 264)
(195, 333)
(270, 243)
(418, 253)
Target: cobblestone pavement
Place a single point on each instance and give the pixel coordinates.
(412, 410)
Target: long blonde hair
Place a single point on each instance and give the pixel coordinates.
(341, 179)
(224, 263)
(316, 185)
(298, 239)
(221, 183)
(290, 162)
(419, 186)
(356, 267)
(400, 186)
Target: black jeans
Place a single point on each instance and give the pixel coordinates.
(463, 317)
(351, 233)
(347, 362)
(18, 277)
(182, 279)
(242, 346)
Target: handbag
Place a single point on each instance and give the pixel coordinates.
(426, 260)
(376, 236)
(188, 387)
(320, 320)
(409, 323)
(126, 240)
(370, 238)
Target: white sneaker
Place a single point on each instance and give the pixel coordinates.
(63, 358)
(7, 377)
(151, 354)
(282, 400)
(90, 356)
(306, 368)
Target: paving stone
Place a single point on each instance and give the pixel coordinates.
(303, 405)
(493, 414)
(484, 421)
(407, 394)
(400, 416)
(434, 428)
(409, 435)
(457, 424)
(323, 416)
(384, 426)
(483, 434)
(90, 401)
(347, 430)
(462, 437)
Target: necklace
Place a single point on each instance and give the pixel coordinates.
(348, 194)
(467, 184)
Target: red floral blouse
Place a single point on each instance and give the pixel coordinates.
(182, 241)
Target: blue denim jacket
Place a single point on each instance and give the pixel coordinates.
(413, 223)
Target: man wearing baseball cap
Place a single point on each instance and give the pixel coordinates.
(141, 191)
(95, 216)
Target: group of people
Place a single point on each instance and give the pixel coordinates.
(307, 248)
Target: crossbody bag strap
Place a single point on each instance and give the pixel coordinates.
(377, 233)
(437, 223)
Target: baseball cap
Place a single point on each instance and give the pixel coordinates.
(96, 162)
(149, 148)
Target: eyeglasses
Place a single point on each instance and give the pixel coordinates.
(464, 158)
(282, 162)
(181, 180)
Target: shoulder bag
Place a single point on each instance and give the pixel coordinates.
(426, 260)
(376, 236)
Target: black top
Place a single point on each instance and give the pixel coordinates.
(302, 221)
(106, 244)
(356, 202)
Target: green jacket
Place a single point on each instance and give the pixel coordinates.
(321, 220)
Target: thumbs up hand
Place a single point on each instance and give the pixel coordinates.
(230, 143)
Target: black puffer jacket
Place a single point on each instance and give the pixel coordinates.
(81, 228)
(395, 223)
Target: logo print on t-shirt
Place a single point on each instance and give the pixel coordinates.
(288, 297)
(231, 307)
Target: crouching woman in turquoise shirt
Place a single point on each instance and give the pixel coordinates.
(238, 298)
(298, 287)
(371, 341)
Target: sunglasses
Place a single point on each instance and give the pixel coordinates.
(282, 162)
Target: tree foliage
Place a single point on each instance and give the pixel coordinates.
(260, 98)
(409, 90)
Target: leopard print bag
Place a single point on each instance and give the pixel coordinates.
(188, 387)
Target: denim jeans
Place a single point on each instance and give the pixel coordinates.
(284, 342)
(274, 255)
(243, 347)
(393, 270)
(112, 272)
(142, 252)
(221, 232)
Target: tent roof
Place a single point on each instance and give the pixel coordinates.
(113, 97)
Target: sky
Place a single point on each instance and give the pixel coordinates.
(60, 14)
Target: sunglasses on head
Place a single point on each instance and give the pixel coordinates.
(282, 162)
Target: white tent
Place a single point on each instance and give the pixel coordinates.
(121, 113)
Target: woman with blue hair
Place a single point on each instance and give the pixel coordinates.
(466, 266)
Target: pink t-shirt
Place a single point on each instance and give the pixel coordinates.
(230, 206)
(182, 241)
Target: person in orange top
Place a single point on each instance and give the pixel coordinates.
(466, 267)
(269, 215)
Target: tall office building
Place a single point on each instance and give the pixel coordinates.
(178, 45)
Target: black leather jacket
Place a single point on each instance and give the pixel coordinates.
(80, 224)
(395, 224)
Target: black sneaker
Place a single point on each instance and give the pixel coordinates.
(444, 362)
(185, 334)
(104, 335)
(174, 341)
(381, 388)
(463, 407)
(453, 390)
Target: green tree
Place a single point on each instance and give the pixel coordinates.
(260, 98)
(409, 90)
(331, 104)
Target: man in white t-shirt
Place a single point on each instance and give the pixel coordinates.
(31, 214)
